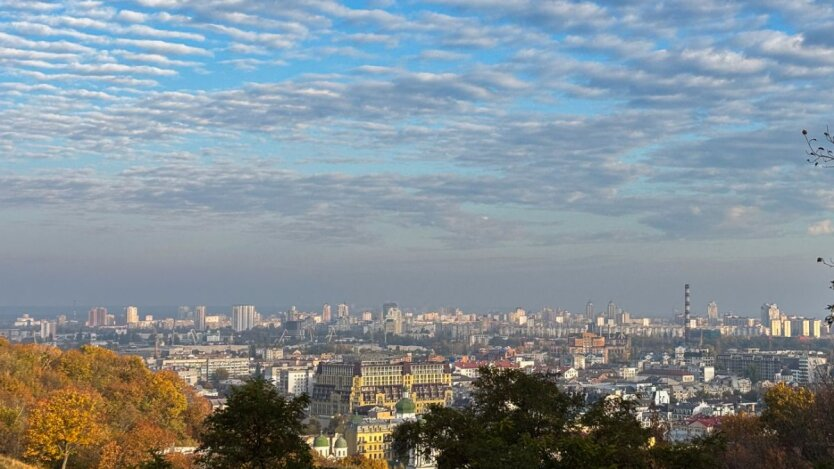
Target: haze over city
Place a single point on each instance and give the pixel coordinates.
(480, 154)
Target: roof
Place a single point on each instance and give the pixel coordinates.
(405, 406)
(340, 443)
(321, 441)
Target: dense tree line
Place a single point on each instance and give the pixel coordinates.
(524, 420)
(91, 408)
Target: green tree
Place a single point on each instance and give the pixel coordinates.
(526, 420)
(258, 429)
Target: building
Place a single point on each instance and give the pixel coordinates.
(97, 317)
(611, 311)
(131, 315)
(293, 381)
(206, 367)
(386, 309)
(589, 310)
(340, 387)
(371, 437)
(770, 312)
(764, 365)
(200, 318)
(343, 311)
(244, 317)
(712, 312)
(48, 329)
(326, 314)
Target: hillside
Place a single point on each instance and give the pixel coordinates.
(118, 410)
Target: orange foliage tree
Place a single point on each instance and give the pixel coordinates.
(63, 422)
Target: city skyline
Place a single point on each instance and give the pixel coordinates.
(480, 153)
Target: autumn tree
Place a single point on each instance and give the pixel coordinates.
(62, 423)
(258, 429)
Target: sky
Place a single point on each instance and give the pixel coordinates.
(477, 153)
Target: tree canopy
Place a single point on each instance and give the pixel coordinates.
(526, 420)
(258, 429)
(90, 406)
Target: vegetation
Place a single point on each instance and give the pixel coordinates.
(258, 429)
(521, 420)
(91, 407)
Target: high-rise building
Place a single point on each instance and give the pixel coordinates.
(131, 315)
(200, 318)
(183, 312)
(343, 311)
(611, 312)
(589, 310)
(97, 317)
(386, 309)
(244, 317)
(770, 312)
(326, 313)
(712, 311)
(47, 329)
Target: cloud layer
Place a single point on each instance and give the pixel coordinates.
(509, 124)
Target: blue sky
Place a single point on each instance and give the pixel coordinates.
(480, 153)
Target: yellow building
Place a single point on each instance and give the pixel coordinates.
(370, 437)
(341, 387)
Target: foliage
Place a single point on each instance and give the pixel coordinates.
(257, 429)
(137, 410)
(66, 420)
(526, 420)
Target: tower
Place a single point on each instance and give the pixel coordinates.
(200, 318)
(243, 317)
(686, 308)
(326, 313)
(131, 315)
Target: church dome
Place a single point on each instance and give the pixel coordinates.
(406, 406)
(321, 441)
(340, 443)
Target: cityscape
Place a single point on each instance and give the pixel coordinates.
(416, 234)
(366, 371)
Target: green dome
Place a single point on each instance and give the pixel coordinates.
(406, 406)
(340, 443)
(356, 419)
(321, 441)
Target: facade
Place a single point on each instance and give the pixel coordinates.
(326, 313)
(760, 365)
(97, 317)
(293, 381)
(131, 315)
(340, 387)
(206, 367)
(371, 437)
(343, 311)
(200, 318)
(244, 317)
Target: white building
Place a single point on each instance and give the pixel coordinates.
(244, 317)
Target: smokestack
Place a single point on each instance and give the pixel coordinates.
(686, 307)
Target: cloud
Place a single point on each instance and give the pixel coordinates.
(822, 227)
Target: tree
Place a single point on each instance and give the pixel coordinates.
(526, 420)
(820, 155)
(258, 429)
(68, 419)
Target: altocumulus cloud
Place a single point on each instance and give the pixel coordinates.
(464, 121)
